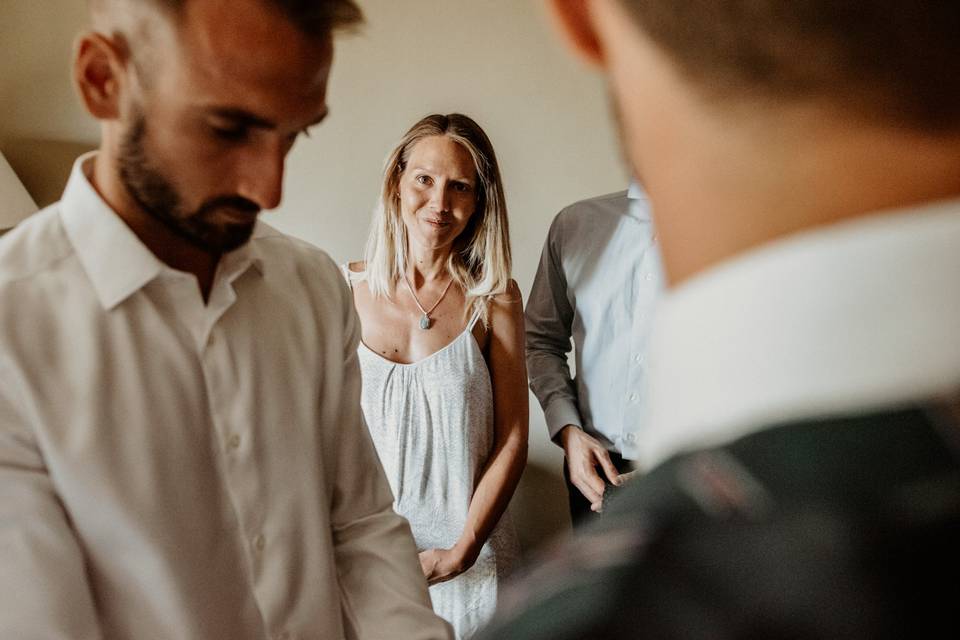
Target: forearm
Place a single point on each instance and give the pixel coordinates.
(382, 588)
(495, 488)
(44, 581)
(548, 327)
(501, 473)
(552, 384)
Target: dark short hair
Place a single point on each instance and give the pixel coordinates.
(890, 59)
(312, 17)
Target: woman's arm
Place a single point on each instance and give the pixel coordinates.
(500, 475)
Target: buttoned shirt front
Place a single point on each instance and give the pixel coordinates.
(174, 469)
(597, 285)
(855, 317)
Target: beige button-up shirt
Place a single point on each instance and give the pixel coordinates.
(171, 469)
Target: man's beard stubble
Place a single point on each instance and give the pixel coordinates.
(157, 196)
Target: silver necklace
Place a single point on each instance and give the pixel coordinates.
(425, 321)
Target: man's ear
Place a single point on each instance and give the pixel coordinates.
(575, 20)
(98, 74)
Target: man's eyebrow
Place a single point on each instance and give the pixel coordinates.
(242, 117)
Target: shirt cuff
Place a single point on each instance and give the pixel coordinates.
(559, 414)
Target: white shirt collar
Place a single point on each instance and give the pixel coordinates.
(638, 206)
(103, 242)
(862, 314)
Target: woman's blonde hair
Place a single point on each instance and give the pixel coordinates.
(480, 260)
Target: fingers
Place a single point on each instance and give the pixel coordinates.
(584, 478)
(580, 462)
(584, 453)
(612, 473)
(589, 493)
(427, 563)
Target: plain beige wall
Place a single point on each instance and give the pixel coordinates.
(495, 60)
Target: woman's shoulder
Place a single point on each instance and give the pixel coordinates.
(354, 271)
(505, 309)
(509, 296)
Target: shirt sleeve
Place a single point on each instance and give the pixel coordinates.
(549, 318)
(43, 577)
(382, 587)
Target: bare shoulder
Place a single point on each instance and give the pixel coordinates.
(506, 330)
(357, 267)
(509, 299)
(506, 310)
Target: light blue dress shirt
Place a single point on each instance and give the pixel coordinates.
(597, 285)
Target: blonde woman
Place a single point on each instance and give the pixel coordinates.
(442, 357)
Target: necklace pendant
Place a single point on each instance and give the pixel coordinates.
(425, 322)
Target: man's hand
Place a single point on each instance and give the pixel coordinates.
(629, 476)
(584, 453)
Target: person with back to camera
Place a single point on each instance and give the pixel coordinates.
(802, 159)
(442, 358)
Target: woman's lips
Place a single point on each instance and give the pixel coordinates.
(437, 223)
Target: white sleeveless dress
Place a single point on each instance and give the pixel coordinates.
(432, 424)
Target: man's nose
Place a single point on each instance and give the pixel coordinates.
(261, 177)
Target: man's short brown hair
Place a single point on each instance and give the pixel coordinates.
(312, 17)
(891, 59)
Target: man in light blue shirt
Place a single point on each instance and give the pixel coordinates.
(597, 283)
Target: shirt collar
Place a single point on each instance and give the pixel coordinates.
(860, 315)
(102, 241)
(638, 206)
(235, 263)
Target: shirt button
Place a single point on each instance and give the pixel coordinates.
(638, 359)
(634, 397)
(259, 543)
(630, 438)
(233, 442)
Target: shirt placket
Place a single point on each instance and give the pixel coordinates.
(646, 285)
(234, 431)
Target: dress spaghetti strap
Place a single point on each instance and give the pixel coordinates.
(352, 276)
(345, 270)
(477, 314)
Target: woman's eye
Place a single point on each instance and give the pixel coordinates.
(421, 179)
(462, 187)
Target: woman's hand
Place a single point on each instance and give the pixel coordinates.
(440, 565)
